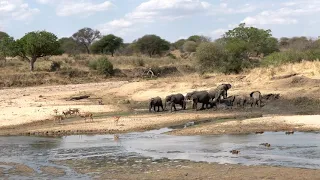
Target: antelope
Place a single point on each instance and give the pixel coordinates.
(58, 117)
(65, 113)
(115, 137)
(116, 120)
(74, 110)
(100, 102)
(86, 115)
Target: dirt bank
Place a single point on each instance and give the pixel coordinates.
(132, 169)
(272, 123)
(127, 123)
(30, 110)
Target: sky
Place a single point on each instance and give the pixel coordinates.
(169, 19)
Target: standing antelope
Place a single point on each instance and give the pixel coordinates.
(58, 117)
(116, 120)
(86, 115)
(65, 113)
(74, 110)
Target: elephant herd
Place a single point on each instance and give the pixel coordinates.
(208, 99)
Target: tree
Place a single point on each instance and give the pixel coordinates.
(3, 35)
(70, 46)
(6, 47)
(86, 37)
(152, 44)
(255, 41)
(199, 39)
(109, 43)
(35, 45)
(178, 44)
(190, 46)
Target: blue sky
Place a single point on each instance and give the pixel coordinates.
(170, 19)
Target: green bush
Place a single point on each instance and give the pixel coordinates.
(93, 65)
(55, 65)
(190, 46)
(104, 66)
(279, 58)
(213, 57)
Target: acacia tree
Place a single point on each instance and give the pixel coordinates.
(86, 37)
(255, 41)
(152, 44)
(109, 43)
(35, 45)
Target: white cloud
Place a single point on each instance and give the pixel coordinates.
(85, 8)
(153, 10)
(15, 10)
(24, 12)
(218, 32)
(287, 13)
(44, 1)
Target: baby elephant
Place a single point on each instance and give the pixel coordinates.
(156, 101)
(174, 99)
(255, 98)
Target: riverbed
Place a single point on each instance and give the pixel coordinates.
(298, 150)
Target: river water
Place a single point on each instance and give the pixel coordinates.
(297, 150)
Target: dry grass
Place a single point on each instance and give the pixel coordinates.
(309, 69)
(73, 69)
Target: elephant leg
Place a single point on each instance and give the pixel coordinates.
(154, 108)
(202, 107)
(259, 103)
(174, 106)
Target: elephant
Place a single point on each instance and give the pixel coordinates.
(174, 99)
(240, 100)
(156, 101)
(220, 91)
(255, 98)
(229, 101)
(199, 97)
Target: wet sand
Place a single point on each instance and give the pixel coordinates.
(134, 169)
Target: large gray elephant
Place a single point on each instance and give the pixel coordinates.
(199, 97)
(174, 99)
(156, 101)
(255, 98)
(220, 91)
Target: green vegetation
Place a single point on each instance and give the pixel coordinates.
(238, 49)
(107, 44)
(152, 45)
(35, 45)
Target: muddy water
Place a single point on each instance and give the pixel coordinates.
(297, 150)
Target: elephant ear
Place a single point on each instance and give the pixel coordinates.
(252, 93)
(229, 86)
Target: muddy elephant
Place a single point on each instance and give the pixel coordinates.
(155, 102)
(199, 97)
(229, 101)
(221, 91)
(255, 98)
(240, 100)
(174, 99)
